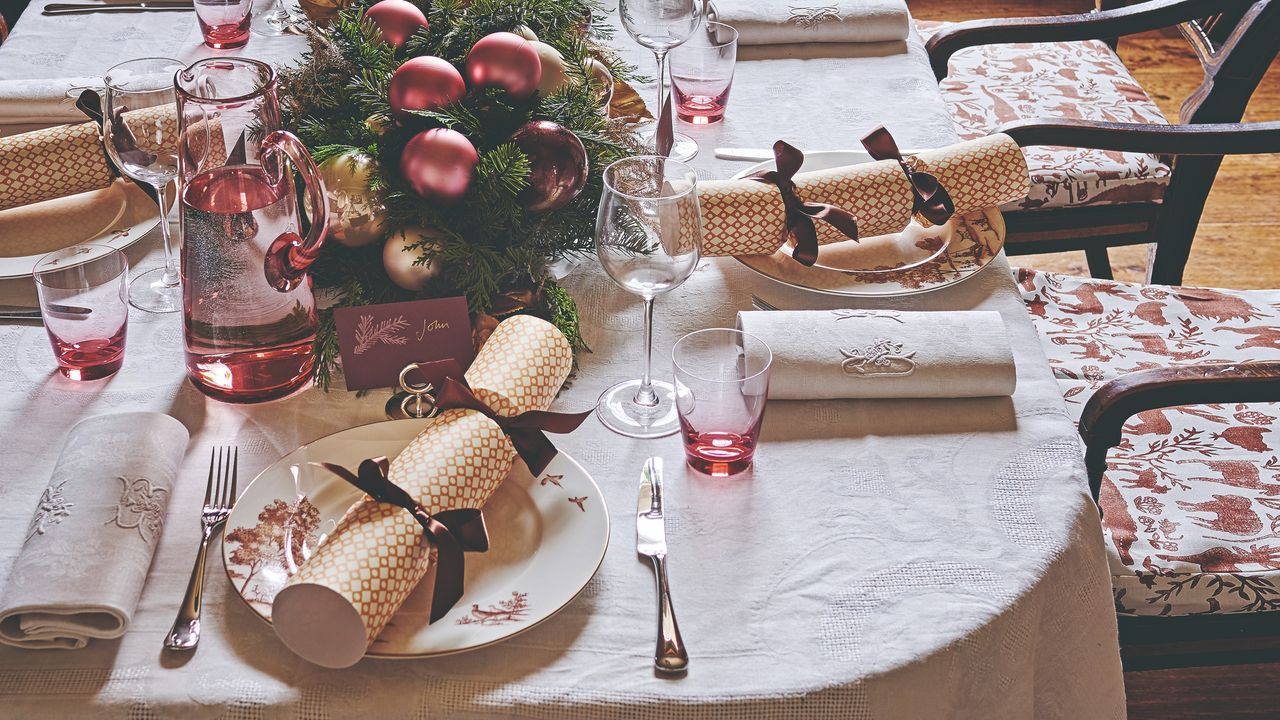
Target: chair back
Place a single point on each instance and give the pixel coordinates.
(1235, 47)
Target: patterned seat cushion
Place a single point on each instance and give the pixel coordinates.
(991, 85)
(1191, 497)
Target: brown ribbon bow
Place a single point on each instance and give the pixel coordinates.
(451, 531)
(932, 201)
(526, 430)
(801, 214)
(90, 103)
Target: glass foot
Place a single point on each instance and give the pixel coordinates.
(273, 25)
(149, 292)
(683, 147)
(620, 413)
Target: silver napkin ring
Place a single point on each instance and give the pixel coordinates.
(412, 401)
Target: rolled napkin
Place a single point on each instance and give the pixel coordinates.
(823, 355)
(775, 22)
(750, 217)
(43, 101)
(338, 602)
(89, 545)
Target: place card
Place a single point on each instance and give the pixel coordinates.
(378, 341)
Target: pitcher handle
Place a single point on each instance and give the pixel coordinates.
(290, 255)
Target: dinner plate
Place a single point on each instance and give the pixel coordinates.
(916, 260)
(117, 215)
(547, 538)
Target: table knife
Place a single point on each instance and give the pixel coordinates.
(69, 9)
(651, 542)
(21, 312)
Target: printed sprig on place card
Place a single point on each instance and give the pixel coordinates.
(378, 341)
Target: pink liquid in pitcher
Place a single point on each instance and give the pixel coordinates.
(246, 341)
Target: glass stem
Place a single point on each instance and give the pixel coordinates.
(644, 394)
(662, 84)
(170, 277)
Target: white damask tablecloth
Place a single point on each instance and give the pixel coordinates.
(884, 559)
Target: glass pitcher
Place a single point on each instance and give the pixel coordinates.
(249, 318)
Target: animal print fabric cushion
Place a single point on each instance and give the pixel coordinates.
(1191, 497)
(991, 85)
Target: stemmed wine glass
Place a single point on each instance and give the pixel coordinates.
(279, 18)
(649, 239)
(140, 131)
(661, 25)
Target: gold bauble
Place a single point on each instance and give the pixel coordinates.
(525, 32)
(398, 258)
(356, 217)
(322, 12)
(554, 76)
(601, 80)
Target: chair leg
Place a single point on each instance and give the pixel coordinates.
(1099, 262)
(1175, 228)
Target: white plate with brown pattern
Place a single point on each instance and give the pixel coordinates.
(916, 260)
(117, 215)
(547, 538)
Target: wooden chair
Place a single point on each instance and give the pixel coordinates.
(1129, 196)
(1175, 390)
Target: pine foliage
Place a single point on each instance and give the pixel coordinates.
(491, 249)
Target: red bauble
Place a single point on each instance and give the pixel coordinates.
(439, 164)
(558, 165)
(396, 19)
(504, 60)
(424, 83)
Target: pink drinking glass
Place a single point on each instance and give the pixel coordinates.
(702, 73)
(722, 384)
(224, 23)
(84, 301)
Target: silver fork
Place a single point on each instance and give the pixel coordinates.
(219, 495)
(760, 303)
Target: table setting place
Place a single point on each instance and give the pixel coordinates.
(487, 359)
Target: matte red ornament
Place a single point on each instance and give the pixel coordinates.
(439, 164)
(424, 83)
(558, 165)
(397, 20)
(507, 61)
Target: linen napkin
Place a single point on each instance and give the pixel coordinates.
(89, 545)
(342, 598)
(823, 355)
(773, 22)
(43, 101)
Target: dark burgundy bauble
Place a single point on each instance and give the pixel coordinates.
(397, 20)
(439, 164)
(558, 165)
(507, 61)
(424, 83)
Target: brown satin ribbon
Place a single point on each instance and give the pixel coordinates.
(665, 136)
(526, 430)
(801, 214)
(932, 201)
(452, 531)
(90, 103)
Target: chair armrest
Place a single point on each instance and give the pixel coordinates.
(1104, 416)
(1208, 139)
(1151, 15)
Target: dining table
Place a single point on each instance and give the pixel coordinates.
(909, 558)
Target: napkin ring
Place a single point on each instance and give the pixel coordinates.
(412, 401)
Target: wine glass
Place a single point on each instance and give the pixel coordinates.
(661, 25)
(140, 130)
(649, 239)
(278, 18)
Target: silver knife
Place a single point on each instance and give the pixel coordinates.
(116, 9)
(20, 312)
(651, 541)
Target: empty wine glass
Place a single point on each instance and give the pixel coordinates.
(278, 18)
(649, 239)
(661, 25)
(140, 130)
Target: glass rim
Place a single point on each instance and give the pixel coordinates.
(604, 176)
(733, 331)
(711, 46)
(270, 80)
(106, 77)
(36, 272)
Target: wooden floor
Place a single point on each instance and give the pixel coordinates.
(1238, 244)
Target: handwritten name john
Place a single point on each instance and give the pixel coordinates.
(430, 326)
